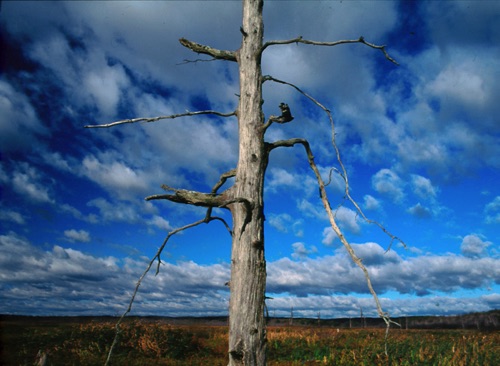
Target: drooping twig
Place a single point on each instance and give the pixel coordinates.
(155, 119)
(330, 44)
(343, 172)
(326, 202)
(333, 223)
(208, 217)
(139, 282)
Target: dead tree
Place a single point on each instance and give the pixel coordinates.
(247, 329)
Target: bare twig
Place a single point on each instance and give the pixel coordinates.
(155, 119)
(139, 282)
(208, 218)
(343, 172)
(330, 44)
(326, 202)
(185, 61)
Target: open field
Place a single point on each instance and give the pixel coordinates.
(145, 341)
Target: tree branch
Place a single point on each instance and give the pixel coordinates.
(343, 172)
(333, 223)
(206, 50)
(330, 44)
(223, 178)
(155, 119)
(209, 200)
(190, 197)
(207, 219)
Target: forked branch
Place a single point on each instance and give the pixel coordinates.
(155, 119)
(330, 44)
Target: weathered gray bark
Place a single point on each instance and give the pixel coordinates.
(247, 331)
(247, 328)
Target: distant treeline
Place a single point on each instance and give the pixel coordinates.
(481, 321)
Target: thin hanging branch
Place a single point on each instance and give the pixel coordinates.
(331, 44)
(157, 257)
(206, 219)
(155, 119)
(343, 172)
(333, 223)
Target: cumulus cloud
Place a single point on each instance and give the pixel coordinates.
(115, 211)
(388, 183)
(423, 187)
(371, 203)
(161, 223)
(492, 211)
(329, 236)
(346, 218)
(19, 123)
(12, 216)
(59, 279)
(286, 223)
(300, 251)
(474, 246)
(73, 235)
(116, 177)
(420, 211)
(30, 183)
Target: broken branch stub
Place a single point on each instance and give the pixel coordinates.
(207, 50)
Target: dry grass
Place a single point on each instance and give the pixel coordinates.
(158, 343)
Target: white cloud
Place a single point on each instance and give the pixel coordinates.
(73, 235)
(423, 187)
(460, 82)
(371, 203)
(300, 250)
(115, 177)
(19, 123)
(29, 183)
(286, 223)
(329, 236)
(492, 211)
(115, 211)
(311, 210)
(161, 223)
(473, 246)
(388, 183)
(12, 216)
(420, 211)
(347, 219)
(105, 86)
(61, 278)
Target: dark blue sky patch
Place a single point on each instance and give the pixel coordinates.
(13, 59)
(411, 35)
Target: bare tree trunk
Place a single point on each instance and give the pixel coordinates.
(247, 329)
(245, 199)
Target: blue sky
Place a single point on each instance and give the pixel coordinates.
(420, 142)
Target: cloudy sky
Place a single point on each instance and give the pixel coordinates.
(420, 142)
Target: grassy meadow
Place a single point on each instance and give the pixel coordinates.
(81, 341)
